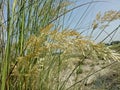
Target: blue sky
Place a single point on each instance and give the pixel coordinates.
(72, 18)
(86, 21)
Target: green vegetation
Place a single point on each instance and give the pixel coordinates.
(115, 45)
(35, 49)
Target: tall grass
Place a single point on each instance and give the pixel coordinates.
(37, 49)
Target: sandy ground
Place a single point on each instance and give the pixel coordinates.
(103, 78)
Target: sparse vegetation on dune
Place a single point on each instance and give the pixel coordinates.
(36, 51)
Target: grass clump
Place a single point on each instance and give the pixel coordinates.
(37, 49)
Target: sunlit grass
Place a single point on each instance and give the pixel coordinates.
(36, 51)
